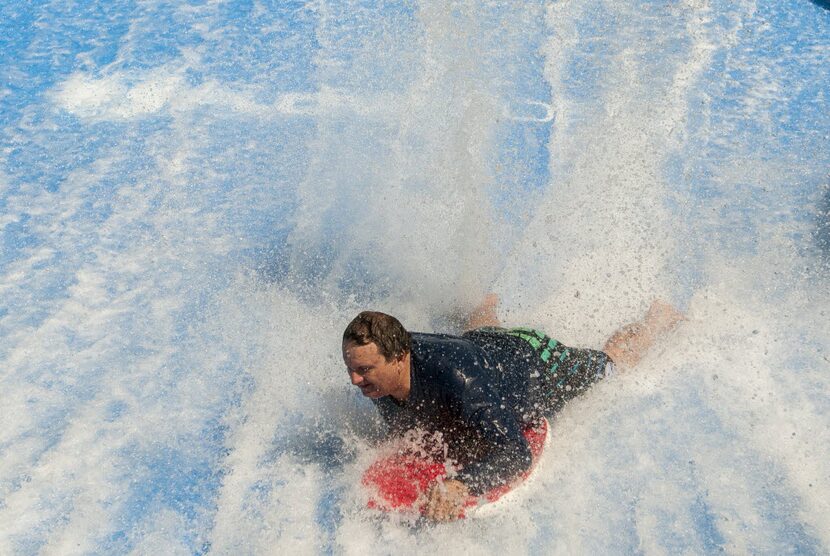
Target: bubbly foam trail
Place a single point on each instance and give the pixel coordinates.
(669, 463)
(600, 242)
(196, 200)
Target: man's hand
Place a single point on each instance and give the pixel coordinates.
(445, 500)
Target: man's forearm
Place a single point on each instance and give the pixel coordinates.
(500, 466)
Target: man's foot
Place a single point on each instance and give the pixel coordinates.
(629, 344)
(484, 314)
(662, 316)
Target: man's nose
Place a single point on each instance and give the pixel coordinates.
(355, 378)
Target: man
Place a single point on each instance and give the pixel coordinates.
(480, 389)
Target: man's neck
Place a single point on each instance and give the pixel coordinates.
(402, 392)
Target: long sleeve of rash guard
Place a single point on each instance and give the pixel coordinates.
(507, 454)
(453, 383)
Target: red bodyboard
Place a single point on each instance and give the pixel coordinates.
(397, 482)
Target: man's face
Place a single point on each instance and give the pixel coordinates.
(371, 372)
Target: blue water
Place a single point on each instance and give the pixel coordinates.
(195, 197)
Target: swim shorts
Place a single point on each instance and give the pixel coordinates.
(557, 372)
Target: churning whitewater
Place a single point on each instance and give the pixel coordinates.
(196, 197)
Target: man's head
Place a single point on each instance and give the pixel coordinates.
(376, 350)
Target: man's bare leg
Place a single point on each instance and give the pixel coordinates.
(484, 314)
(629, 344)
(626, 347)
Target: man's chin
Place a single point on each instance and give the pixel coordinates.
(372, 394)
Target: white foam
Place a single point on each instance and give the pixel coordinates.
(119, 350)
(124, 96)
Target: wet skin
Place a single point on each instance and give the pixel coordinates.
(376, 376)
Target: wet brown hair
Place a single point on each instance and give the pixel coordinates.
(385, 331)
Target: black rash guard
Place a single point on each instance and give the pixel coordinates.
(457, 389)
(480, 390)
